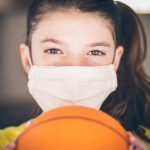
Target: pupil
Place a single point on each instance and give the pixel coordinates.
(95, 52)
(54, 50)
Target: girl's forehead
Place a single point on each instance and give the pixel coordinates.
(72, 25)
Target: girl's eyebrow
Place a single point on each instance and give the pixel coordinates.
(53, 40)
(56, 41)
(102, 43)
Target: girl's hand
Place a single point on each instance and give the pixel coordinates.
(136, 143)
(10, 146)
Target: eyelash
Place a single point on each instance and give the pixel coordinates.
(54, 51)
(96, 53)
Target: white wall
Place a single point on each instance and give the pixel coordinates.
(13, 82)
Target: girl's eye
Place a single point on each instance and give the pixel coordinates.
(96, 53)
(53, 51)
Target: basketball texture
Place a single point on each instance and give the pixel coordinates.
(73, 128)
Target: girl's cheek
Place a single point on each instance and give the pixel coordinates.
(63, 61)
(99, 60)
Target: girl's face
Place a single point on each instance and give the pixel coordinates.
(72, 38)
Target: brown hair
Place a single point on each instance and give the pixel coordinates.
(130, 103)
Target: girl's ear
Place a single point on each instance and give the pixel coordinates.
(118, 56)
(24, 57)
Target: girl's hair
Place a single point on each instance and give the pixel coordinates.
(130, 103)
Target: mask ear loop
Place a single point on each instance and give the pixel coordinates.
(28, 55)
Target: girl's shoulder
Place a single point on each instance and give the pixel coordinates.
(147, 132)
(10, 134)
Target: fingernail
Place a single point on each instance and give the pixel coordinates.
(134, 147)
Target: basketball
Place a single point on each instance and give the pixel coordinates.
(73, 128)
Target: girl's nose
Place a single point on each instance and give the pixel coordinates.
(75, 61)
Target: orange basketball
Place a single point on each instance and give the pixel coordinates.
(73, 128)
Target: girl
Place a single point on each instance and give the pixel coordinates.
(92, 39)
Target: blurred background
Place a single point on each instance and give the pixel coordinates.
(13, 83)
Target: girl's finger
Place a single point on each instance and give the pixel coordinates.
(137, 143)
(131, 147)
(10, 146)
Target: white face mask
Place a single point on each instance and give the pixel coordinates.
(53, 86)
